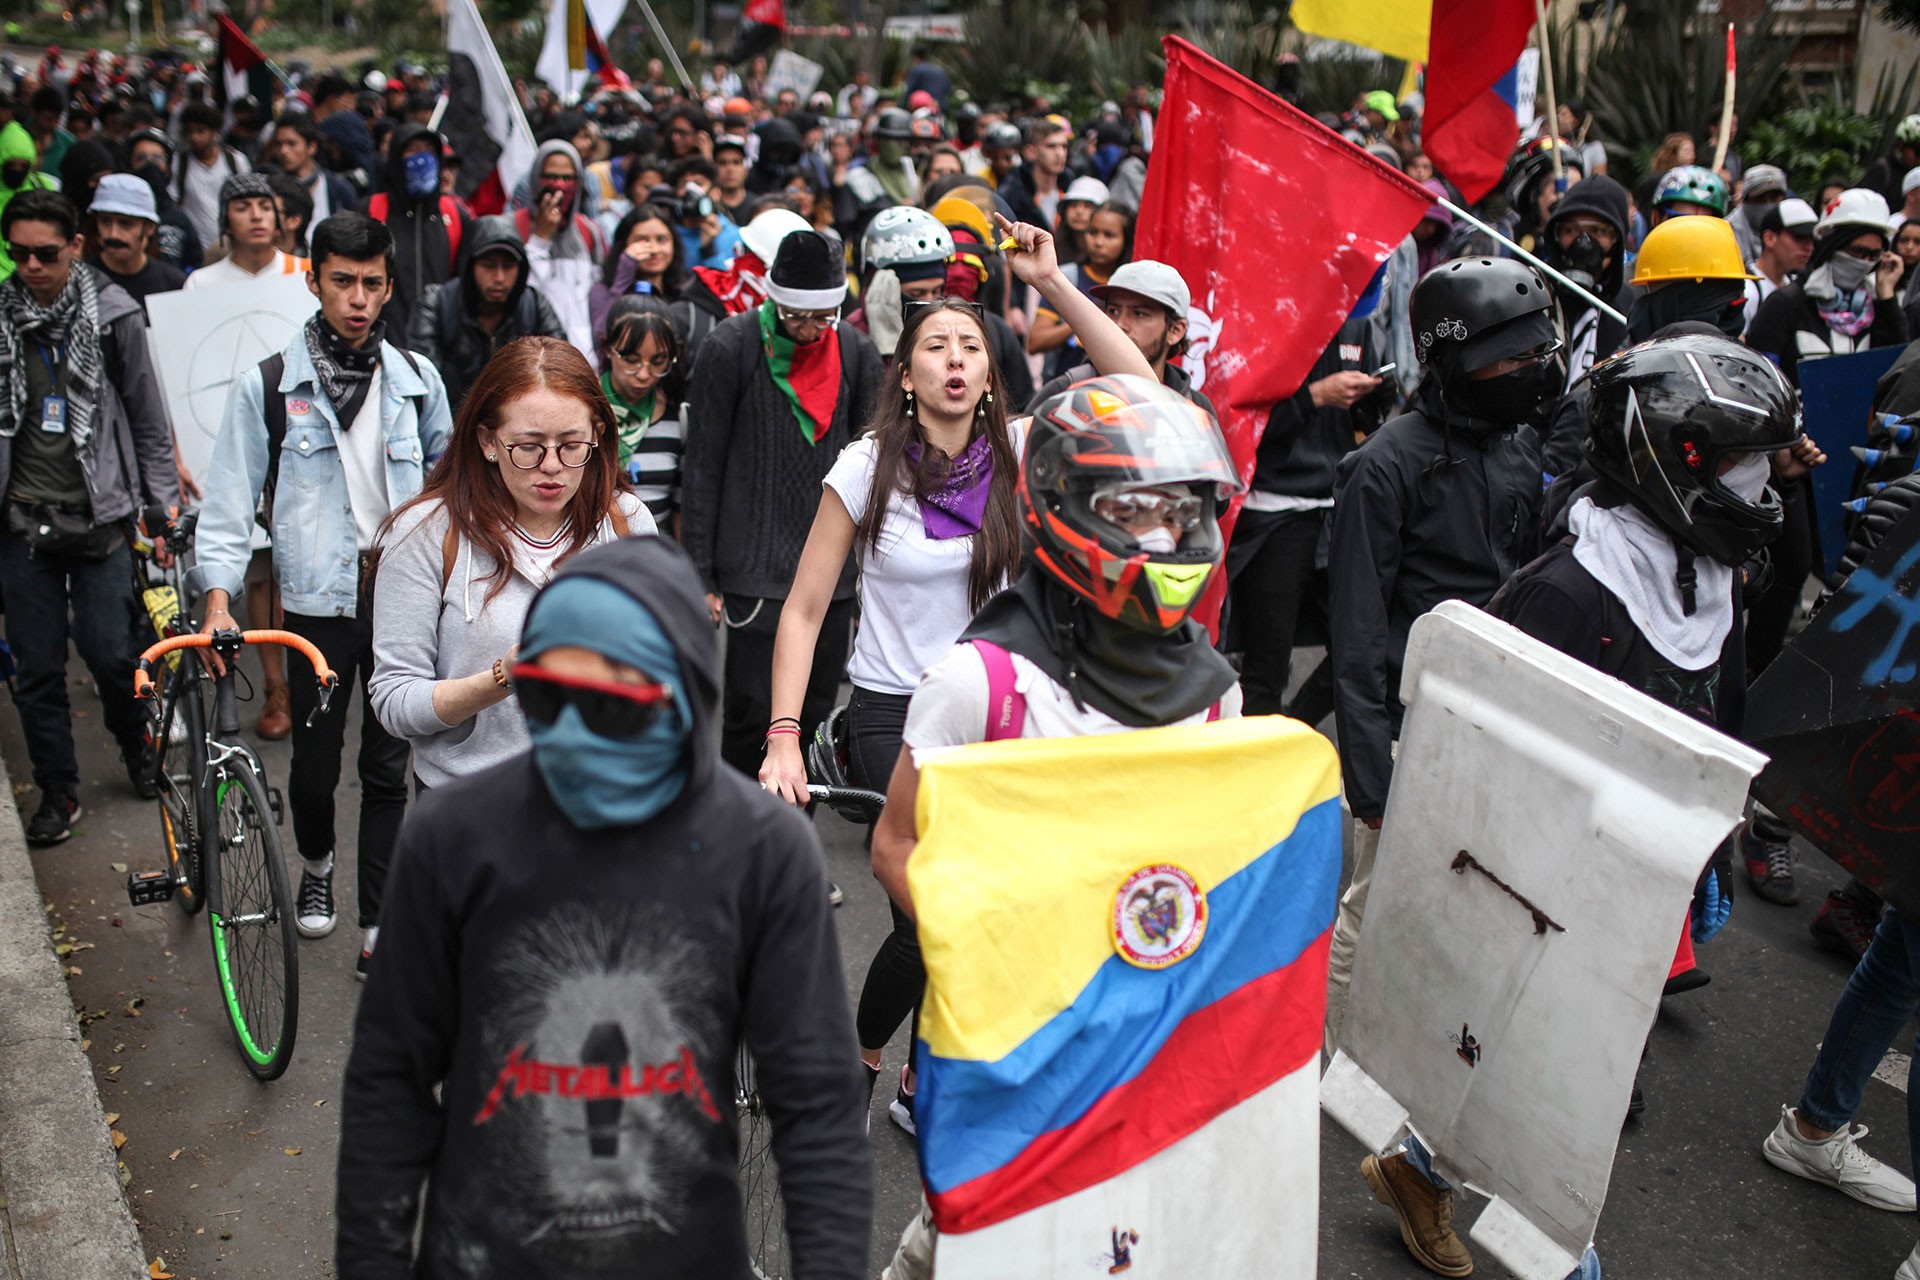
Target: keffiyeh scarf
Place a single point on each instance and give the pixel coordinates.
(72, 321)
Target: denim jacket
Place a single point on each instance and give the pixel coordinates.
(315, 551)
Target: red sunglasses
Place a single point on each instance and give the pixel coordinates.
(610, 710)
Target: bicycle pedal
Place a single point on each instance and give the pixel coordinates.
(145, 887)
(277, 803)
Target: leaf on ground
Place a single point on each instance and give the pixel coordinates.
(320, 1102)
(119, 1139)
(292, 1151)
(226, 1235)
(126, 1174)
(74, 971)
(132, 1009)
(175, 1153)
(119, 868)
(113, 1117)
(157, 1270)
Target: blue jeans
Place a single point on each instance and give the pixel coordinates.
(51, 599)
(1882, 994)
(1419, 1158)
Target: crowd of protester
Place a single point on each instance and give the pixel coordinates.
(802, 339)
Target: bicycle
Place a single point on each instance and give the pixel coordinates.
(766, 1213)
(220, 823)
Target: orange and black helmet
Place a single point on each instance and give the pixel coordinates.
(1105, 436)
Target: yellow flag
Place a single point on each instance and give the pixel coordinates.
(577, 35)
(1397, 27)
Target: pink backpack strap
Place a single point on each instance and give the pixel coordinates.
(1006, 705)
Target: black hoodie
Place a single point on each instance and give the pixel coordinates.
(534, 974)
(423, 249)
(1592, 336)
(446, 325)
(779, 153)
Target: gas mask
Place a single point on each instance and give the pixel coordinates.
(1584, 260)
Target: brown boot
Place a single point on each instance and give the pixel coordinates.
(276, 717)
(1425, 1213)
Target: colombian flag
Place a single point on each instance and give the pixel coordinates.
(1470, 48)
(1126, 947)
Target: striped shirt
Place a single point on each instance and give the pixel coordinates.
(653, 468)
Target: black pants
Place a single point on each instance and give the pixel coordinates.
(348, 646)
(51, 599)
(1275, 585)
(746, 707)
(896, 977)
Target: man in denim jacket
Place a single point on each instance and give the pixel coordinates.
(363, 421)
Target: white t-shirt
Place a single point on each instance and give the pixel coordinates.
(913, 590)
(363, 455)
(227, 271)
(949, 709)
(199, 193)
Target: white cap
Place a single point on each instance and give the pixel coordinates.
(126, 195)
(1091, 190)
(1911, 181)
(763, 235)
(1857, 207)
(1150, 279)
(1793, 214)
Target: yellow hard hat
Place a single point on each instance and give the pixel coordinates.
(1693, 247)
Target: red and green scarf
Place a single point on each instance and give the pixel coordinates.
(809, 375)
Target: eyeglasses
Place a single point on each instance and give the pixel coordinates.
(610, 710)
(794, 319)
(45, 254)
(531, 457)
(659, 364)
(1852, 251)
(1138, 510)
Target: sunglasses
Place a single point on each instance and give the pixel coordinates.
(45, 254)
(610, 710)
(793, 319)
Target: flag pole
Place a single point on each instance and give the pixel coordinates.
(1726, 108)
(1583, 292)
(672, 56)
(1553, 106)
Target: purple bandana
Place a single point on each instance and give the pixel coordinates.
(957, 507)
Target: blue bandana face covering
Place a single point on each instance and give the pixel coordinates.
(599, 781)
(423, 174)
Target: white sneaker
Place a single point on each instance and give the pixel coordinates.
(313, 914)
(1839, 1162)
(1910, 1269)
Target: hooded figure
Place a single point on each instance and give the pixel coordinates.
(616, 910)
(81, 167)
(457, 326)
(563, 268)
(427, 228)
(779, 153)
(359, 160)
(1592, 335)
(18, 158)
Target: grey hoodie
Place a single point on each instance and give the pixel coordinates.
(425, 632)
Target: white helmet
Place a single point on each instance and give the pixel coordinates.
(763, 235)
(903, 235)
(1857, 207)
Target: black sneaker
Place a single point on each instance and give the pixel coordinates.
(140, 766)
(53, 821)
(1769, 867)
(313, 912)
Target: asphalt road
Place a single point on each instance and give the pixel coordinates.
(230, 1178)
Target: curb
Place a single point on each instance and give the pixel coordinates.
(66, 1213)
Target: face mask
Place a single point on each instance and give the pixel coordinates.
(14, 175)
(150, 173)
(423, 174)
(1512, 398)
(1848, 272)
(1585, 259)
(610, 782)
(565, 186)
(1748, 477)
(1158, 542)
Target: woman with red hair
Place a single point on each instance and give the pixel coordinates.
(529, 478)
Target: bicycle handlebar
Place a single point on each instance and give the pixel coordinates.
(843, 799)
(231, 641)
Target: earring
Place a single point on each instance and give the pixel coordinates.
(989, 395)
(909, 402)
(493, 457)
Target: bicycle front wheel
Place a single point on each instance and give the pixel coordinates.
(250, 915)
(765, 1209)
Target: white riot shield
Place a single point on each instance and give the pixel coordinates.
(1543, 835)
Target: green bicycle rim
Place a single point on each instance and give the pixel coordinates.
(235, 1013)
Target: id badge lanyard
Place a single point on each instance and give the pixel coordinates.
(53, 406)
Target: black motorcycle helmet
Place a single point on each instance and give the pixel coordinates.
(896, 123)
(1663, 415)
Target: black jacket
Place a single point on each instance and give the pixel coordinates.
(1788, 326)
(422, 247)
(1174, 379)
(1557, 601)
(1303, 443)
(1017, 190)
(446, 326)
(750, 480)
(1423, 512)
(528, 965)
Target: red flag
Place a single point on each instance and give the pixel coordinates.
(772, 13)
(1276, 224)
(1470, 129)
(238, 56)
